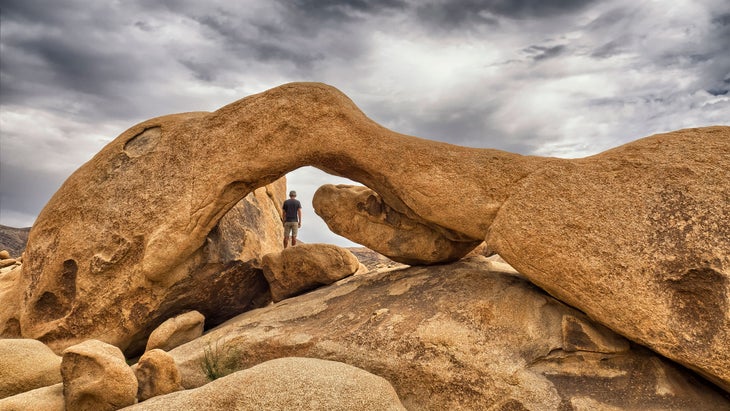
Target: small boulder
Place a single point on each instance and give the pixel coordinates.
(97, 377)
(26, 365)
(286, 384)
(176, 331)
(4, 254)
(7, 262)
(157, 374)
(306, 266)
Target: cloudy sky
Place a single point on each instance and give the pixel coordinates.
(564, 78)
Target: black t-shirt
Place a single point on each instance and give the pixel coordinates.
(291, 206)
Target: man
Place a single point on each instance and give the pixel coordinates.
(292, 218)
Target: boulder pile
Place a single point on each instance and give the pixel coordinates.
(606, 269)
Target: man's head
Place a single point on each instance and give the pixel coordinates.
(292, 194)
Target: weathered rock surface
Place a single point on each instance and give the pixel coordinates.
(457, 336)
(360, 214)
(97, 377)
(176, 331)
(10, 296)
(373, 260)
(306, 266)
(157, 375)
(109, 287)
(26, 365)
(48, 398)
(286, 384)
(637, 237)
(633, 236)
(252, 228)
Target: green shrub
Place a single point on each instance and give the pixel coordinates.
(217, 363)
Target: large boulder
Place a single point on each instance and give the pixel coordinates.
(48, 398)
(360, 213)
(306, 266)
(286, 384)
(176, 331)
(453, 337)
(632, 236)
(97, 377)
(637, 237)
(26, 365)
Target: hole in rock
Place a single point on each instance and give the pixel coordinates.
(305, 181)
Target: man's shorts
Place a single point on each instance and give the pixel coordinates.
(291, 226)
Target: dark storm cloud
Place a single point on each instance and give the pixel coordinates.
(66, 60)
(338, 11)
(718, 71)
(259, 41)
(542, 52)
(303, 34)
(69, 62)
(465, 13)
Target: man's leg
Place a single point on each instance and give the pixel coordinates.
(287, 230)
(294, 232)
(286, 242)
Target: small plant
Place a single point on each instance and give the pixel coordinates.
(217, 363)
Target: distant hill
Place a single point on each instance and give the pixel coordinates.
(13, 239)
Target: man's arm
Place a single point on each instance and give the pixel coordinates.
(299, 214)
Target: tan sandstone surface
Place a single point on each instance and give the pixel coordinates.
(176, 331)
(97, 377)
(103, 297)
(361, 214)
(286, 384)
(637, 236)
(456, 336)
(26, 365)
(157, 374)
(307, 266)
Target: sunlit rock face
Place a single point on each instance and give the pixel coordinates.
(637, 236)
(463, 335)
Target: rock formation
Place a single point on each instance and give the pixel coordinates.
(456, 336)
(26, 365)
(48, 398)
(176, 331)
(637, 237)
(96, 377)
(360, 214)
(156, 374)
(286, 384)
(104, 298)
(11, 293)
(306, 266)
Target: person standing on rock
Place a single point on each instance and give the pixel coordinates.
(292, 218)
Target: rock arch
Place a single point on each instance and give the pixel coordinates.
(592, 231)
